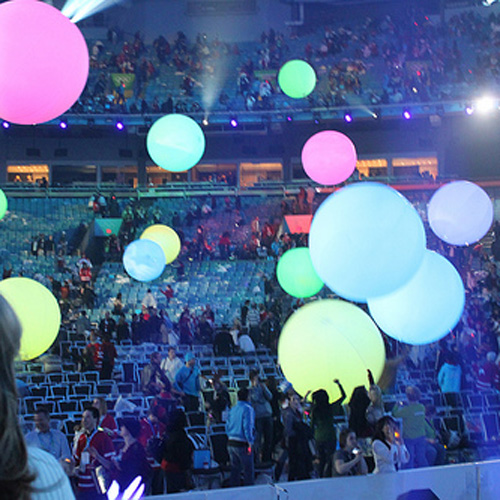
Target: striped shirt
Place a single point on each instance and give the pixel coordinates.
(51, 483)
(103, 444)
(53, 441)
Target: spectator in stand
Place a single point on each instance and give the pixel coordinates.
(224, 244)
(413, 416)
(435, 451)
(185, 327)
(260, 399)
(349, 460)
(323, 425)
(375, 410)
(154, 382)
(488, 374)
(187, 383)
(93, 353)
(240, 430)
(221, 401)
(27, 473)
(122, 329)
(389, 450)
(244, 312)
(93, 444)
(50, 440)
(450, 375)
(297, 436)
(177, 454)
(117, 304)
(149, 300)
(245, 343)
(358, 405)
(131, 461)
(106, 421)
(171, 365)
(107, 325)
(85, 273)
(169, 293)
(109, 355)
(223, 343)
(253, 318)
(83, 325)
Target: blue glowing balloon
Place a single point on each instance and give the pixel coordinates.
(460, 213)
(176, 142)
(425, 309)
(366, 240)
(144, 260)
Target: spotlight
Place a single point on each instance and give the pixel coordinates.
(119, 125)
(376, 114)
(289, 118)
(63, 124)
(485, 104)
(407, 114)
(204, 122)
(469, 110)
(347, 117)
(233, 122)
(5, 125)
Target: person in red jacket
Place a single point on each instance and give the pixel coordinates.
(92, 444)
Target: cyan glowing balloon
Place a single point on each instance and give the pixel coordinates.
(44, 62)
(296, 274)
(329, 157)
(144, 260)
(166, 237)
(328, 339)
(3, 204)
(176, 142)
(38, 312)
(366, 240)
(297, 79)
(460, 213)
(427, 308)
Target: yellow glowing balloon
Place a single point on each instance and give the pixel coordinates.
(38, 313)
(326, 340)
(166, 237)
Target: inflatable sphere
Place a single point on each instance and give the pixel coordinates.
(329, 339)
(366, 240)
(426, 308)
(38, 312)
(44, 62)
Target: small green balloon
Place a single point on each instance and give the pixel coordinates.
(175, 142)
(297, 79)
(296, 274)
(3, 204)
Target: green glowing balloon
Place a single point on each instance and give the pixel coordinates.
(296, 274)
(38, 313)
(3, 204)
(166, 237)
(175, 143)
(329, 339)
(297, 79)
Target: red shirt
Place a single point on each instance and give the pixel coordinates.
(103, 444)
(109, 423)
(96, 349)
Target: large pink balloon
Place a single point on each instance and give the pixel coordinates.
(44, 62)
(329, 157)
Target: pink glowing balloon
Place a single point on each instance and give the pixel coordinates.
(329, 157)
(44, 62)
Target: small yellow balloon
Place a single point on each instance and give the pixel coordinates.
(38, 312)
(166, 237)
(326, 340)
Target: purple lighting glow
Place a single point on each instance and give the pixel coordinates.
(407, 114)
(119, 125)
(63, 124)
(469, 110)
(348, 117)
(233, 122)
(5, 124)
